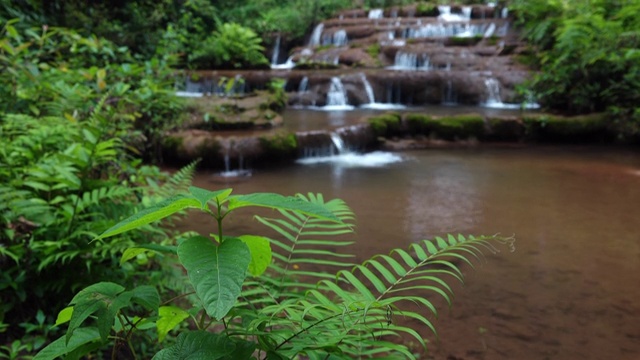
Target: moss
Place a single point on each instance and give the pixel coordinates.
(457, 127)
(385, 125)
(279, 147)
(504, 129)
(463, 40)
(418, 124)
(427, 10)
(373, 50)
(553, 128)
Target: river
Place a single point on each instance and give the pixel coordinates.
(571, 288)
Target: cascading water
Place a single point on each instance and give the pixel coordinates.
(338, 38)
(372, 99)
(233, 151)
(443, 30)
(449, 96)
(316, 35)
(330, 147)
(411, 62)
(304, 85)
(376, 14)
(276, 52)
(494, 100)
(337, 96)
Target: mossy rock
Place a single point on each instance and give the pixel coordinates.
(278, 148)
(457, 127)
(504, 129)
(418, 124)
(430, 10)
(386, 125)
(463, 40)
(575, 129)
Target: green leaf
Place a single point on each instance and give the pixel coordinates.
(131, 253)
(61, 347)
(168, 318)
(277, 201)
(149, 215)
(95, 298)
(216, 272)
(198, 345)
(260, 249)
(64, 316)
(147, 296)
(204, 195)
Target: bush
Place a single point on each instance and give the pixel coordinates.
(255, 294)
(385, 125)
(230, 47)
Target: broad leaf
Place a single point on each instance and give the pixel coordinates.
(147, 296)
(169, 318)
(198, 345)
(204, 195)
(64, 316)
(96, 298)
(277, 201)
(260, 253)
(154, 213)
(61, 347)
(216, 272)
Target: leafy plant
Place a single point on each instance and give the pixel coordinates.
(275, 297)
(232, 46)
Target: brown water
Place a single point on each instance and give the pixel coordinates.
(571, 290)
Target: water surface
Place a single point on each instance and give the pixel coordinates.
(571, 288)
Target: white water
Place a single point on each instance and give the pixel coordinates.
(494, 100)
(449, 96)
(337, 96)
(372, 99)
(447, 15)
(338, 38)
(411, 61)
(189, 94)
(289, 64)
(345, 158)
(353, 160)
(316, 35)
(376, 14)
(304, 85)
(276, 52)
(444, 29)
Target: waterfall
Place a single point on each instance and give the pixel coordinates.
(493, 93)
(409, 61)
(337, 96)
(494, 100)
(372, 99)
(336, 147)
(338, 143)
(276, 52)
(466, 12)
(304, 85)
(490, 30)
(441, 30)
(338, 38)
(368, 89)
(449, 96)
(233, 149)
(505, 12)
(376, 14)
(316, 35)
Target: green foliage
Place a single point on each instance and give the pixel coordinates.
(232, 46)
(588, 54)
(293, 306)
(386, 125)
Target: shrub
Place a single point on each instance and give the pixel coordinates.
(251, 299)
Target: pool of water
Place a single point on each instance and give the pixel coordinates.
(571, 288)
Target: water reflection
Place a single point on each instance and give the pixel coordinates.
(445, 200)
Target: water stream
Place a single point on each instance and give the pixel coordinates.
(569, 291)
